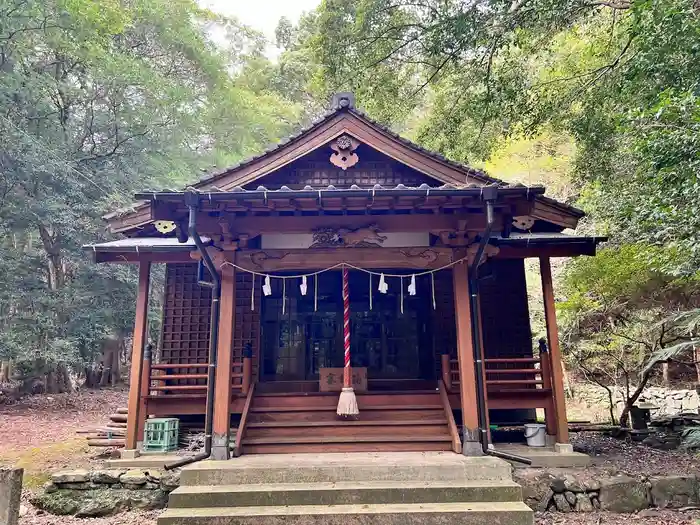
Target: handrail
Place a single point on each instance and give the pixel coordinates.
(237, 448)
(454, 433)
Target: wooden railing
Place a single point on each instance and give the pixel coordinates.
(190, 379)
(521, 375)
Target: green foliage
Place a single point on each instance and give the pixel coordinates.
(598, 100)
(99, 99)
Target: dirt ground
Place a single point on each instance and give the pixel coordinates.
(39, 434)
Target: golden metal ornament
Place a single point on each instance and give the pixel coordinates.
(164, 226)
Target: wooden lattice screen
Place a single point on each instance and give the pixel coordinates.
(186, 311)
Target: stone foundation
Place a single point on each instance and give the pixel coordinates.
(622, 494)
(85, 493)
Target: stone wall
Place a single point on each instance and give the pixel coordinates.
(622, 494)
(85, 493)
(668, 401)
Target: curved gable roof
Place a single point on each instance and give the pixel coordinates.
(345, 119)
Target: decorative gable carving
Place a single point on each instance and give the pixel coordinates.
(344, 155)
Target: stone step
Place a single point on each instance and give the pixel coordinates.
(508, 513)
(344, 493)
(341, 467)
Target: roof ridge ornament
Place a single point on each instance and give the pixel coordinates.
(343, 100)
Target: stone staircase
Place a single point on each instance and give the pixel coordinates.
(390, 421)
(402, 488)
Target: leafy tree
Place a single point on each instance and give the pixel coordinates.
(99, 99)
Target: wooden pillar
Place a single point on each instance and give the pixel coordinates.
(135, 417)
(465, 355)
(221, 423)
(145, 389)
(557, 372)
(550, 417)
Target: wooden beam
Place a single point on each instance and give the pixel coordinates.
(465, 356)
(302, 259)
(139, 340)
(570, 250)
(557, 370)
(222, 393)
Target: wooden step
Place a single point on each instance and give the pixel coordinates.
(349, 432)
(362, 439)
(350, 423)
(301, 408)
(348, 446)
(364, 401)
(330, 415)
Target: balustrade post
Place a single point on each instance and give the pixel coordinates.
(550, 418)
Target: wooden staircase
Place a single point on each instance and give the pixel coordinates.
(388, 422)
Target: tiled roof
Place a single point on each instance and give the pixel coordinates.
(211, 178)
(262, 192)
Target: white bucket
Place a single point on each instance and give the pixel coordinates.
(535, 434)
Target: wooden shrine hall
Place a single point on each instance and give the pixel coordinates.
(433, 254)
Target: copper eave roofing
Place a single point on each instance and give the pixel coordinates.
(145, 245)
(262, 193)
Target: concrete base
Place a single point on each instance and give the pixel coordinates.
(339, 467)
(471, 444)
(563, 448)
(508, 513)
(155, 461)
(472, 448)
(130, 454)
(220, 453)
(545, 457)
(374, 488)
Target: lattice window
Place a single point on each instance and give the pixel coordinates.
(186, 311)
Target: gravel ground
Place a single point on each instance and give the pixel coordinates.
(614, 456)
(648, 517)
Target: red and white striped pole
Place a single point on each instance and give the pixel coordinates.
(347, 404)
(347, 372)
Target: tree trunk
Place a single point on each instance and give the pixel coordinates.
(5, 371)
(696, 354)
(64, 380)
(632, 399)
(90, 377)
(666, 374)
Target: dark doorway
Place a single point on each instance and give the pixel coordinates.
(308, 335)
